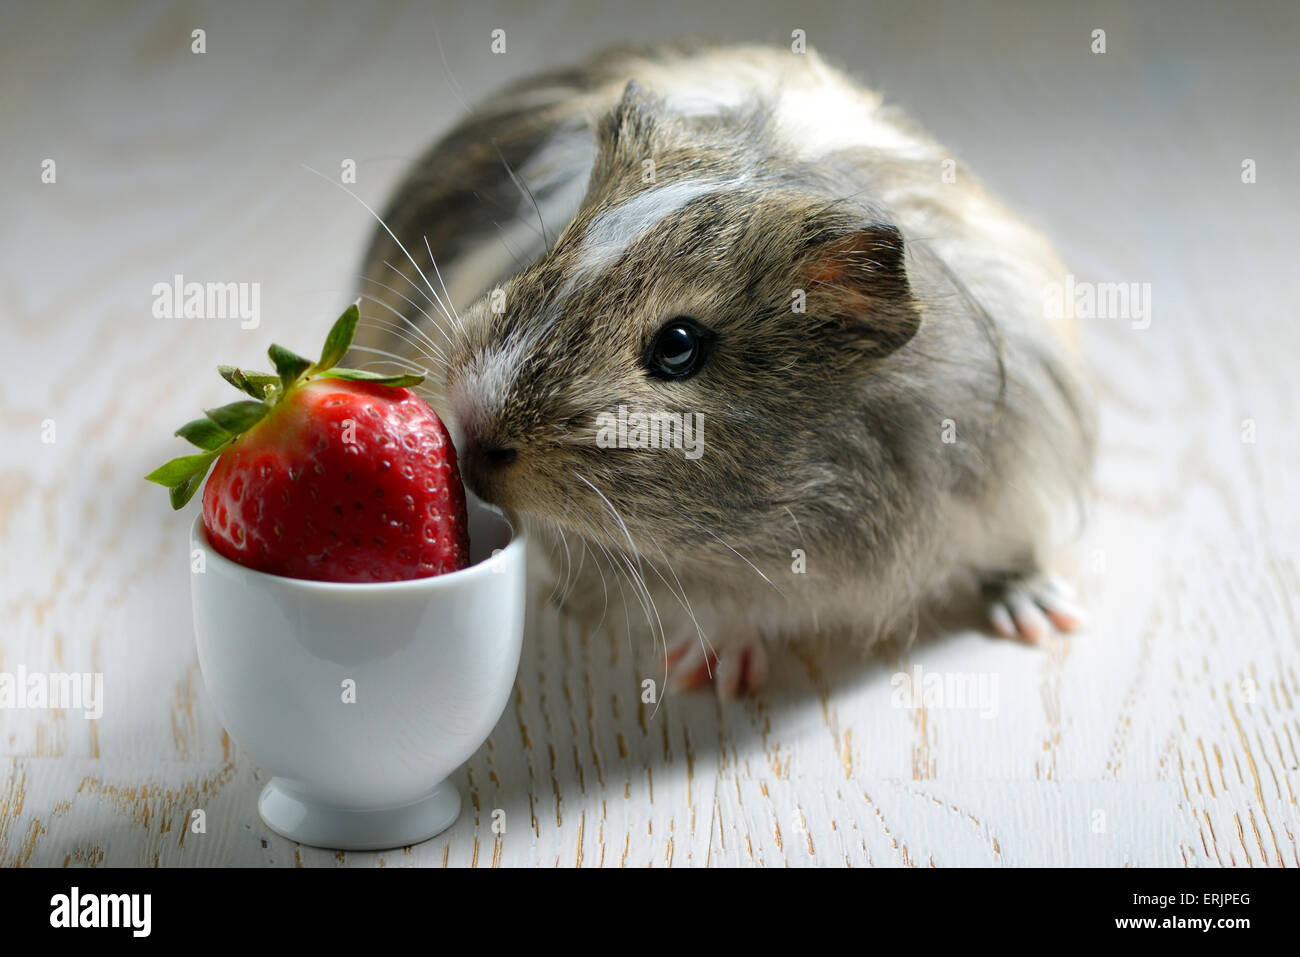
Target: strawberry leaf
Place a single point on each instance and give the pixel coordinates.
(181, 494)
(252, 383)
(339, 339)
(288, 365)
(204, 433)
(360, 375)
(181, 470)
(238, 417)
(263, 382)
(236, 378)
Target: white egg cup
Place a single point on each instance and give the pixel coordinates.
(360, 699)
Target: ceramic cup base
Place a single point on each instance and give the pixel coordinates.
(293, 815)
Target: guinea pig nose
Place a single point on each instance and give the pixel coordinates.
(483, 464)
(498, 456)
(486, 456)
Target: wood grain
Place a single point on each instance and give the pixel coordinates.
(1166, 735)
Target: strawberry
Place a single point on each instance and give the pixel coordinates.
(327, 473)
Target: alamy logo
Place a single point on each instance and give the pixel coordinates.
(959, 691)
(651, 430)
(38, 690)
(179, 299)
(1098, 300)
(74, 909)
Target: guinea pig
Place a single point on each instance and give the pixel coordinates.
(745, 349)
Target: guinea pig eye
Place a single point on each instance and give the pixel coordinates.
(678, 349)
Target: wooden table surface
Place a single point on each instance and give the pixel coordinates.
(1165, 735)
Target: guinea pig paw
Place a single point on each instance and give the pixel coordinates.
(1029, 609)
(734, 666)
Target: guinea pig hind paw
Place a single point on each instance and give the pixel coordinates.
(734, 667)
(1031, 608)
(690, 666)
(742, 669)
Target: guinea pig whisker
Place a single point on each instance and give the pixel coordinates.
(391, 358)
(619, 577)
(582, 561)
(622, 594)
(705, 528)
(789, 512)
(621, 561)
(550, 555)
(681, 596)
(436, 303)
(450, 305)
(397, 331)
(523, 188)
(510, 249)
(379, 219)
(637, 580)
(460, 94)
(627, 608)
(416, 306)
(635, 571)
(568, 563)
(554, 523)
(649, 605)
(423, 344)
(617, 517)
(570, 580)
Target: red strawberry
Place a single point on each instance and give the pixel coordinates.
(335, 475)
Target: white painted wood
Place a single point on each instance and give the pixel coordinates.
(1166, 735)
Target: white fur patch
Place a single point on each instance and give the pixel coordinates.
(612, 232)
(482, 389)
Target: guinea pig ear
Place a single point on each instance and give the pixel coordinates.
(858, 282)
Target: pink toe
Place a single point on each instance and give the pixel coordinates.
(730, 675)
(1065, 616)
(1000, 619)
(1030, 621)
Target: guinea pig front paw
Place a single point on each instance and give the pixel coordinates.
(735, 664)
(1029, 607)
